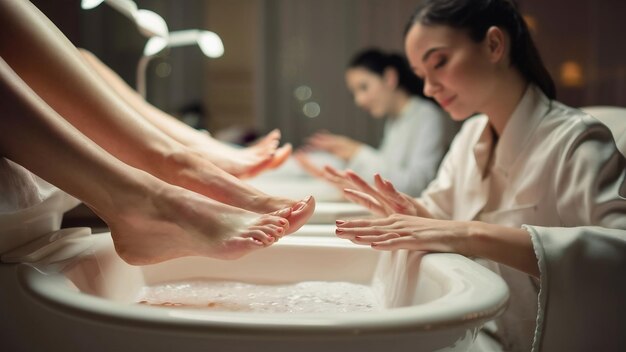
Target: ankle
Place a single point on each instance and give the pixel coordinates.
(137, 196)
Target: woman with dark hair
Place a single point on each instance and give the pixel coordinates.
(533, 185)
(417, 133)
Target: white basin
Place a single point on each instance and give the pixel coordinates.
(433, 302)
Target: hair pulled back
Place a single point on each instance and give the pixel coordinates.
(377, 61)
(476, 17)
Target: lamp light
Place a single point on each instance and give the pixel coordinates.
(149, 23)
(209, 43)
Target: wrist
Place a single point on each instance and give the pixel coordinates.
(478, 237)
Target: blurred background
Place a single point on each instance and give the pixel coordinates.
(284, 60)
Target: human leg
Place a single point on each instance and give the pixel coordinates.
(240, 162)
(150, 220)
(67, 84)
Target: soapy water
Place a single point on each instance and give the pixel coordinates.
(302, 297)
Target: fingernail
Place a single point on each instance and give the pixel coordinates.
(340, 222)
(374, 244)
(338, 231)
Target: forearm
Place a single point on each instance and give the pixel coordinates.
(506, 245)
(65, 83)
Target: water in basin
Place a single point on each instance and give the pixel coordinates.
(301, 297)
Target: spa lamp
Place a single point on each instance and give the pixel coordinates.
(149, 23)
(210, 44)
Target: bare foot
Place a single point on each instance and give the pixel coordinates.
(246, 162)
(177, 223)
(193, 172)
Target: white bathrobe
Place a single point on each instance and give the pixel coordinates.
(412, 147)
(29, 206)
(553, 166)
(582, 300)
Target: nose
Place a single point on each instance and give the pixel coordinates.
(431, 86)
(360, 100)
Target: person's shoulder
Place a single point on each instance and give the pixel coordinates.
(422, 105)
(572, 128)
(568, 122)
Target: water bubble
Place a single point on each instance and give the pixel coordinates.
(311, 109)
(302, 297)
(163, 69)
(303, 93)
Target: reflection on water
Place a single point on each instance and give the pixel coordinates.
(302, 297)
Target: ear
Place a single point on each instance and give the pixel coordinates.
(390, 77)
(496, 43)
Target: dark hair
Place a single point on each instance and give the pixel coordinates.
(476, 16)
(377, 61)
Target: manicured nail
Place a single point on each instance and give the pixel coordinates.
(374, 244)
(340, 222)
(338, 231)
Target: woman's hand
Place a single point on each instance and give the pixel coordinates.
(341, 182)
(342, 147)
(408, 232)
(380, 199)
(506, 245)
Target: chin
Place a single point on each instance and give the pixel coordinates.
(459, 115)
(376, 114)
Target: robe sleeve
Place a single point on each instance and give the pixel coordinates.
(590, 180)
(582, 297)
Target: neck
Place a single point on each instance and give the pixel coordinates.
(507, 94)
(399, 102)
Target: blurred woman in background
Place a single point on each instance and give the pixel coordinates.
(417, 132)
